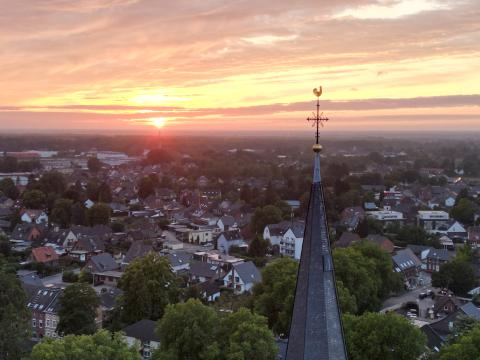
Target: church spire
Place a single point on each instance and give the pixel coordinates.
(316, 329)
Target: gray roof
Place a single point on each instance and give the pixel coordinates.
(248, 272)
(45, 300)
(179, 258)
(405, 259)
(316, 328)
(441, 254)
(143, 330)
(203, 269)
(471, 310)
(231, 235)
(227, 220)
(103, 262)
(136, 250)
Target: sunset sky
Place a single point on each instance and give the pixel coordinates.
(213, 65)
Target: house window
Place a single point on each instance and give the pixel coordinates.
(237, 279)
(47, 333)
(40, 323)
(54, 323)
(445, 307)
(34, 322)
(48, 322)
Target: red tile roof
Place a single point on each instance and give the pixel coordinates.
(44, 254)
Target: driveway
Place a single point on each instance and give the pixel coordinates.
(396, 302)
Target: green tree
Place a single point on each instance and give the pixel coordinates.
(79, 214)
(104, 193)
(187, 331)
(98, 214)
(158, 156)
(34, 199)
(8, 188)
(269, 214)
(149, 286)
(257, 247)
(78, 310)
(273, 297)
(99, 346)
(118, 226)
(382, 337)
(52, 182)
(14, 318)
(94, 165)
(464, 211)
(465, 347)
(245, 336)
(457, 275)
(5, 246)
(146, 187)
(357, 274)
(62, 212)
(348, 303)
(391, 282)
(414, 235)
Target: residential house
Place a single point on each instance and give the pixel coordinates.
(473, 237)
(383, 242)
(274, 232)
(45, 255)
(436, 258)
(445, 305)
(227, 222)
(107, 277)
(179, 261)
(407, 263)
(101, 262)
(200, 236)
(454, 230)
(143, 336)
(346, 239)
(89, 246)
(440, 331)
(242, 277)
(44, 306)
(227, 239)
(209, 290)
(31, 216)
(292, 241)
(27, 233)
(351, 217)
(201, 271)
(137, 250)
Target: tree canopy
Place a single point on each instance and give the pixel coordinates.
(14, 317)
(366, 274)
(99, 214)
(382, 336)
(99, 346)
(149, 286)
(194, 331)
(78, 310)
(274, 296)
(464, 347)
(94, 165)
(456, 275)
(269, 214)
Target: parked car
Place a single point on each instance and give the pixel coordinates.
(422, 295)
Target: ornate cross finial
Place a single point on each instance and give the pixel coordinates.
(317, 118)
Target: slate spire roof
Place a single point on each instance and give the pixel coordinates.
(316, 329)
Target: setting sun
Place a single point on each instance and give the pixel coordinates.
(159, 122)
